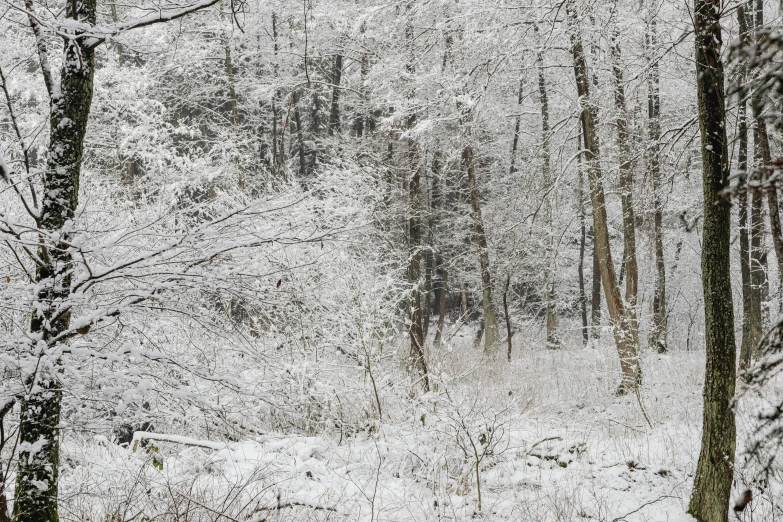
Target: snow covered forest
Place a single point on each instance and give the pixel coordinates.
(407, 260)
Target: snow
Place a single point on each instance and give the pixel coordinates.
(559, 454)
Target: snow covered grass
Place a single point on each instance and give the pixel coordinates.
(553, 443)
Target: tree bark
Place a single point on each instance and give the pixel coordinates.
(36, 492)
(751, 315)
(712, 484)
(508, 317)
(334, 111)
(416, 360)
(582, 241)
(463, 291)
(626, 189)
(763, 147)
(362, 123)
(491, 334)
(440, 286)
(278, 132)
(300, 138)
(232, 100)
(517, 125)
(758, 254)
(552, 337)
(659, 324)
(625, 341)
(595, 296)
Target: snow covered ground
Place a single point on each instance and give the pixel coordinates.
(553, 443)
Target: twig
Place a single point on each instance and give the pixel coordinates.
(207, 508)
(643, 506)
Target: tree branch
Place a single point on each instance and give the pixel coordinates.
(40, 45)
(100, 34)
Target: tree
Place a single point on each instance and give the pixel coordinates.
(552, 337)
(626, 189)
(659, 328)
(621, 320)
(751, 309)
(71, 99)
(417, 361)
(714, 472)
(490, 323)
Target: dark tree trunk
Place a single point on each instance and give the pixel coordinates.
(416, 361)
(463, 294)
(595, 296)
(334, 112)
(625, 341)
(440, 286)
(552, 337)
(278, 149)
(582, 241)
(751, 316)
(517, 124)
(490, 325)
(659, 324)
(300, 138)
(762, 155)
(758, 253)
(362, 122)
(626, 189)
(714, 472)
(429, 269)
(508, 317)
(418, 364)
(233, 104)
(36, 492)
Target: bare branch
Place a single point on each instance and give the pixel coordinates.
(40, 45)
(100, 34)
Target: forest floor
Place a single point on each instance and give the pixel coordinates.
(553, 442)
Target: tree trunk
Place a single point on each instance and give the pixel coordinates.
(517, 124)
(759, 268)
(758, 253)
(232, 93)
(595, 297)
(659, 324)
(128, 164)
(508, 317)
(714, 472)
(621, 320)
(763, 147)
(416, 361)
(429, 268)
(552, 337)
(363, 114)
(463, 292)
(491, 334)
(441, 293)
(440, 286)
(36, 492)
(751, 315)
(232, 98)
(582, 240)
(300, 139)
(626, 189)
(334, 112)
(278, 148)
